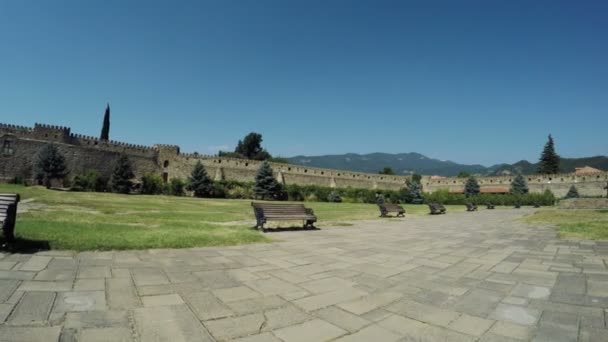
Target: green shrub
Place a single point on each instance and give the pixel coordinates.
(572, 192)
(17, 180)
(176, 187)
(152, 185)
(334, 197)
(90, 181)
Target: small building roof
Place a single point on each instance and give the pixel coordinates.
(585, 170)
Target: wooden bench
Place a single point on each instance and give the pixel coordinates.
(517, 205)
(8, 215)
(386, 208)
(490, 205)
(436, 208)
(282, 212)
(536, 205)
(471, 206)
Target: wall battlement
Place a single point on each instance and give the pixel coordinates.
(87, 152)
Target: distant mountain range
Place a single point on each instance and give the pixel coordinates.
(408, 163)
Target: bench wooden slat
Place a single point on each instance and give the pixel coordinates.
(385, 208)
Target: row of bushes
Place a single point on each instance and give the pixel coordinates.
(445, 197)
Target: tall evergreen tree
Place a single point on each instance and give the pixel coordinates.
(549, 160)
(387, 170)
(471, 187)
(50, 164)
(572, 192)
(414, 190)
(105, 129)
(122, 175)
(266, 186)
(199, 181)
(519, 185)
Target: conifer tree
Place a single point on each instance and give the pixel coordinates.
(549, 160)
(266, 186)
(471, 187)
(415, 193)
(199, 181)
(519, 185)
(122, 175)
(50, 164)
(105, 129)
(572, 192)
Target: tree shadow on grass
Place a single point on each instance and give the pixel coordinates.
(25, 246)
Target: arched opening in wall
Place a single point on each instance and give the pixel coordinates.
(166, 164)
(246, 164)
(165, 176)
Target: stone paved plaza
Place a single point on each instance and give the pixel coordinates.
(481, 276)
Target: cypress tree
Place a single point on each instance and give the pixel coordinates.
(105, 129)
(266, 186)
(519, 185)
(471, 187)
(572, 192)
(122, 175)
(50, 164)
(199, 181)
(549, 160)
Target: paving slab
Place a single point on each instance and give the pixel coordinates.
(315, 330)
(169, 323)
(33, 309)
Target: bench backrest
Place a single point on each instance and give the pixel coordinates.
(391, 206)
(270, 209)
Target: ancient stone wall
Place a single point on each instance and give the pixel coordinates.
(20, 145)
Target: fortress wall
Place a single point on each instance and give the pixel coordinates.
(85, 152)
(559, 184)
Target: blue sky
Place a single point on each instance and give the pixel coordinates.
(469, 81)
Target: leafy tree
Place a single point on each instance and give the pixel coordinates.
(519, 185)
(471, 187)
(549, 160)
(122, 175)
(387, 170)
(105, 129)
(266, 186)
(572, 192)
(50, 164)
(463, 174)
(199, 181)
(416, 178)
(90, 181)
(251, 147)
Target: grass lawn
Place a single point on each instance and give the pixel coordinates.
(102, 221)
(578, 224)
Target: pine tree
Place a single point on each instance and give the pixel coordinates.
(549, 160)
(471, 187)
(519, 185)
(572, 192)
(199, 181)
(122, 175)
(266, 186)
(105, 129)
(50, 164)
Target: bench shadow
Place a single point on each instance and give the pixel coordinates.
(286, 229)
(24, 246)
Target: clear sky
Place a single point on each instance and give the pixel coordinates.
(469, 81)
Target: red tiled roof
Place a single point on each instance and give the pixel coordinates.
(586, 170)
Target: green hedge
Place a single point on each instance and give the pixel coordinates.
(445, 197)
